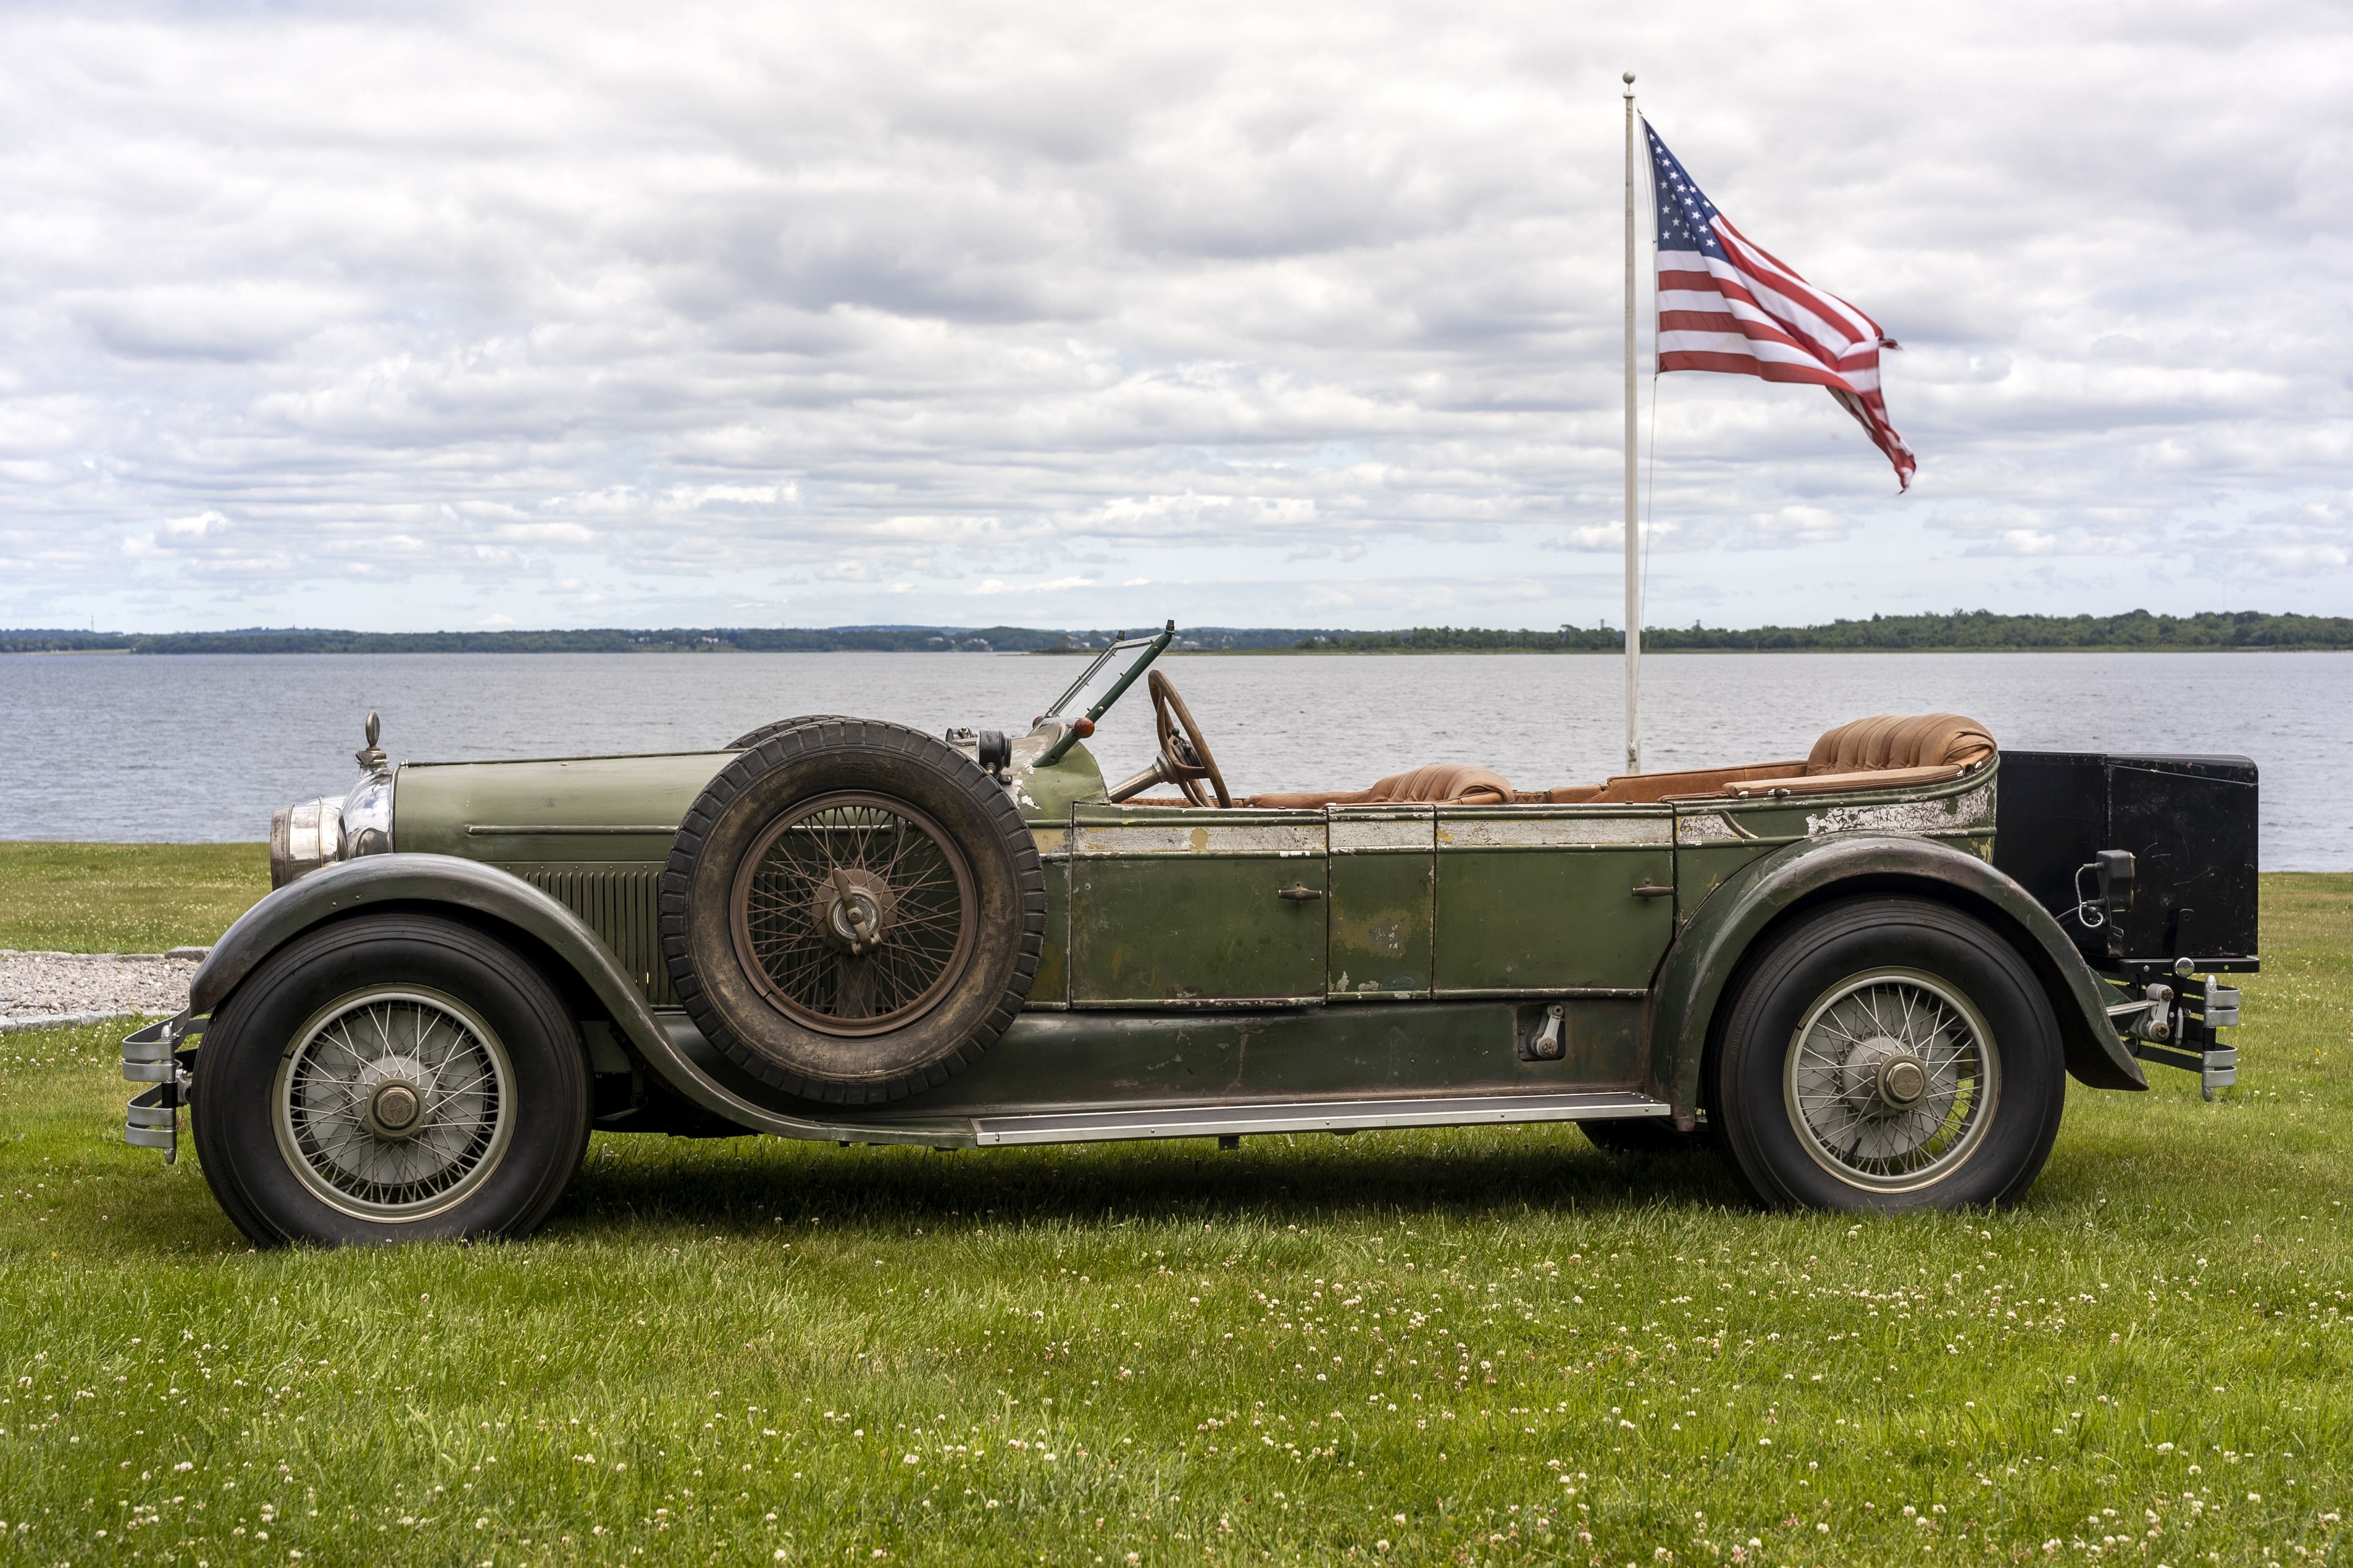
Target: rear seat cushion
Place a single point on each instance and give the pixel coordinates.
(1891, 740)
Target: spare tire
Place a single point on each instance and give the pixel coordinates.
(852, 910)
(752, 738)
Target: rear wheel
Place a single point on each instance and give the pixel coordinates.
(1890, 1054)
(390, 1079)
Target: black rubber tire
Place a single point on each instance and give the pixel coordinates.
(750, 739)
(1850, 939)
(233, 1113)
(1644, 1136)
(750, 794)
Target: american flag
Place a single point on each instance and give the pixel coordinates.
(1726, 305)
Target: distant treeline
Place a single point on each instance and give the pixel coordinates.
(711, 639)
(1974, 630)
(1961, 631)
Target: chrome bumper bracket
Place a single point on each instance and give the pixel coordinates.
(2182, 1034)
(158, 1055)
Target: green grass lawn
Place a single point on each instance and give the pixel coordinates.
(1438, 1347)
(125, 898)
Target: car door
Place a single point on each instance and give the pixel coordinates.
(1553, 901)
(1183, 907)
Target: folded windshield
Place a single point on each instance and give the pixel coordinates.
(1113, 671)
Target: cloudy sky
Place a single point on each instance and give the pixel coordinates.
(1081, 315)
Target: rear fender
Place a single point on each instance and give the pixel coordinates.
(484, 895)
(1697, 975)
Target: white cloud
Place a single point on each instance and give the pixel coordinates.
(1228, 312)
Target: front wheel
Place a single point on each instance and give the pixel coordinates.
(1890, 1054)
(390, 1079)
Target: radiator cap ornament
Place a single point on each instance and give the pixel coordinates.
(371, 757)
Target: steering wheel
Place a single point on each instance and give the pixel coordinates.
(1185, 757)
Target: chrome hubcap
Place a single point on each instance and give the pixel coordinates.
(394, 1107)
(395, 1103)
(853, 909)
(1892, 1080)
(1881, 1077)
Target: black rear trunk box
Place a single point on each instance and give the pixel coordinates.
(2189, 825)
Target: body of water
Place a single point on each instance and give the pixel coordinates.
(205, 746)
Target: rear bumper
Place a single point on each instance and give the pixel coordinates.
(2180, 1025)
(2217, 1067)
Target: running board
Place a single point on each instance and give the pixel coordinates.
(1311, 1116)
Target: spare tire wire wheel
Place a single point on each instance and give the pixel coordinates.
(394, 1103)
(1890, 1079)
(852, 913)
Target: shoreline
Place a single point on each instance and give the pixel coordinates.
(1087, 652)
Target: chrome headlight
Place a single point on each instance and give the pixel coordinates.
(311, 834)
(368, 816)
(304, 837)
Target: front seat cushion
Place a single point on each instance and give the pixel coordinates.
(1444, 784)
(1441, 783)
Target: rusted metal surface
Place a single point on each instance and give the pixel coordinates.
(1537, 827)
(1184, 908)
(1540, 900)
(1693, 828)
(1209, 834)
(1382, 925)
(1936, 816)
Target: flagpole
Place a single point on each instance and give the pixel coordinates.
(1633, 527)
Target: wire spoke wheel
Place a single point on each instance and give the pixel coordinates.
(853, 913)
(395, 1103)
(1891, 1079)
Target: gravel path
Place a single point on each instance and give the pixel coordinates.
(42, 989)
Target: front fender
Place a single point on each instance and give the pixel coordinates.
(422, 882)
(1708, 952)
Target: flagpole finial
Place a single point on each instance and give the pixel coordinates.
(1628, 79)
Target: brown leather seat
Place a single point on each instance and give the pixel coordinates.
(1886, 751)
(1891, 740)
(1436, 783)
(1440, 783)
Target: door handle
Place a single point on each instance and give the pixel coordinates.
(1299, 893)
(1646, 889)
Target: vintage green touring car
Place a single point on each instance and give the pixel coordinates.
(1863, 975)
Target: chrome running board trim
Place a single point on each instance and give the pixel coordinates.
(1312, 1116)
